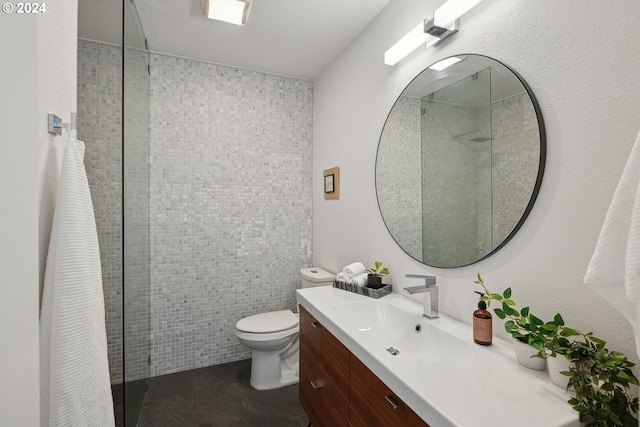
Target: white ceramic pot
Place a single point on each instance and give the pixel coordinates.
(555, 365)
(526, 356)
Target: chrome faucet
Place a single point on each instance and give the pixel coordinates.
(430, 303)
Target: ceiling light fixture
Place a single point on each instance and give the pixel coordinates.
(232, 11)
(444, 24)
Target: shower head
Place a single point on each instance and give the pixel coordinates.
(478, 138)
(481, 139)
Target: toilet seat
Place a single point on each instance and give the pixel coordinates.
(266, 323)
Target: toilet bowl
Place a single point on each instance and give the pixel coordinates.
(273, 339)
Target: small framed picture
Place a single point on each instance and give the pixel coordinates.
(328, 184)
(332, 183)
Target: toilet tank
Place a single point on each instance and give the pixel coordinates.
(314, 276)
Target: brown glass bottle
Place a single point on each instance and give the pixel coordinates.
(482, 325)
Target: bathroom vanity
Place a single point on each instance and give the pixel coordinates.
(337, 389)
(366, 362)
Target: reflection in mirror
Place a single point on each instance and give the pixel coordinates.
(460, 161)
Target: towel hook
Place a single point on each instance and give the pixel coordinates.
(55, 124)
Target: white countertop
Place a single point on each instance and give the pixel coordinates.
(483, 386)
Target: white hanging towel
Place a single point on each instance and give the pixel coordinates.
(614, 270)
(75, 389)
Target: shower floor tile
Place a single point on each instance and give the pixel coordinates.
(219, 396)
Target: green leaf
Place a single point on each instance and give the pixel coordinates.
(508, 310)
(507, 293)
(537, 344)
(604, 376)
(510, 302)
(606, 387)
(496, 297)
(558, 319)
(479, 278)
(535, 320)
(551, 327)
(569, 332)
(623, 375)
(613, 417)
(500, 313)
(581, 409)
(597, 341)
(524, 312)
(509, 326)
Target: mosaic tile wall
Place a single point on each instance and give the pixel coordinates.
(100, 127)
(450, 224)
(399, 194)
(231, 210)
(230, 201)
(516, 151)
(137, 310)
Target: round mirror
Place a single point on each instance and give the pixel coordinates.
(460, 161)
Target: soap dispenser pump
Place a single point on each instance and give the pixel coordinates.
(482, 323)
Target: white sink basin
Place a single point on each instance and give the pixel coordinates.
(411, 335)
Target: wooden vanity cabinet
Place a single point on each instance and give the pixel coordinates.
(338, 390)
(324, 374)
(374, 404)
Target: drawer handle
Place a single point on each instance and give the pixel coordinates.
(318, 384)
(393, 404)
(316, 324)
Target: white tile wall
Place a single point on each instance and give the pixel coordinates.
(230, 199)
(398, 175)
(100, 127)
(230, 204)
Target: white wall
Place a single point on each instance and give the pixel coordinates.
(41, 52)
(57, 88)
(19, 393)
(589, 92)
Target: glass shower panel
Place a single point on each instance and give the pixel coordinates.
(135, 201)
(456, 159)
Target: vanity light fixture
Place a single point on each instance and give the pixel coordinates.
(232, 11)
(445, 23)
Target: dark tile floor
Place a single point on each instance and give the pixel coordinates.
(218, 396)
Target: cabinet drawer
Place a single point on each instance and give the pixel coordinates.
(318, 404)
(324, 360)
(372, 403)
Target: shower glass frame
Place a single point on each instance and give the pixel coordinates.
(136, 301)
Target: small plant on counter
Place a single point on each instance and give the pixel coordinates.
(376, 273)
(599, 377)
(378, 269)
(522, 324)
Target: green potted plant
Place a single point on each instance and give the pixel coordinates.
(524, 327)
(375, 275)
(599, 377)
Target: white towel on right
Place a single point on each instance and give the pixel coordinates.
(353, 269)
(614, 270)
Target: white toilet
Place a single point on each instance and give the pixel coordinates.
(273, 337)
